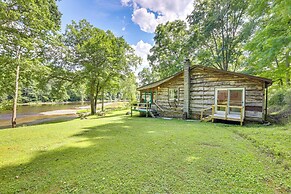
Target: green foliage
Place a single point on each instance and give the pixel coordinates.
(96, 58)
(219, 29)
(269, 48)
(168, 53)
(5, 105)
(280, 105)
(147, 76)
(277, 98)
(128, 87)
(175, 157)
(287, 98)
(24, 30)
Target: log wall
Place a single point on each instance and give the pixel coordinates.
(171, 108)
(204, 82)
(202, 93)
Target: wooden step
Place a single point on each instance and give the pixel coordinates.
(152, 114)
(206, 119)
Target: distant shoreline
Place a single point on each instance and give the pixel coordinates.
(51, 103)
(56, 103)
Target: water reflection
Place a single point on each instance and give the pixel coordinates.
(42, 112)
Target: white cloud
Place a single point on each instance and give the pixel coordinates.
(149, 13)
(123, 29)
(142, 49)
(146, 20)
(125, 2)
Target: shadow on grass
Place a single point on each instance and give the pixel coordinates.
(108, 115)
(42, 121)
(85, 158)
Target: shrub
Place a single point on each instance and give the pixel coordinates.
(277, 98)
(287, 97)
(6, 105)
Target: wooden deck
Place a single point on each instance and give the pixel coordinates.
(147, 108)
(141, 107)
(211, 116)
(223, 115)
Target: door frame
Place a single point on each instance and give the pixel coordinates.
(228, 98)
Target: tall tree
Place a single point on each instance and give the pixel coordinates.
(146, 76)
(168, 52)
(97, 57)
(219, 29)
(24, 26)
(269, 48)
(128, 87)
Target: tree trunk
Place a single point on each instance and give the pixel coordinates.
(82, 98)
(287, 69)
(13, 121)
(96, 100)
(280, 79)
(102, 101)
(92, 103)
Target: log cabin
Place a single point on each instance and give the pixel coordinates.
(206, 93)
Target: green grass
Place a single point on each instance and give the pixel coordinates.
(120, 154)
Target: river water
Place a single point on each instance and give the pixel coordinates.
(33, 114)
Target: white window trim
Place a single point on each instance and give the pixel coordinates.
(178, 95)
(228, 96)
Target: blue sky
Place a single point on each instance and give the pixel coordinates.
(135, 20)
(107, 15)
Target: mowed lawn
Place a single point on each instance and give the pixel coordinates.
(120, 154)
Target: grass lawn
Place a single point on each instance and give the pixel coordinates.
(120, 154)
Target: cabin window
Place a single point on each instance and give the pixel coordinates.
(222, 99)
(230, 99)
(173, 94)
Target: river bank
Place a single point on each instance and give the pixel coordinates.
(43, 113)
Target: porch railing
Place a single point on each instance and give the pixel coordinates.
(159, 107)
(141, 107)
(225, 116)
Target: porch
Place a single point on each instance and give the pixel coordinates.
(147, 104)
(223, 112)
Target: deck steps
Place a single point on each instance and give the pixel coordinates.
(154, 113)
(206, 119)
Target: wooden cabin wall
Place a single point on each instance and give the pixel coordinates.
(202, 92)
(171, 109)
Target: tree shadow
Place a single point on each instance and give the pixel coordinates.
(110, 115)
(42, 121)
(81, 163)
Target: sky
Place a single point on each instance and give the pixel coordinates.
(134, 20)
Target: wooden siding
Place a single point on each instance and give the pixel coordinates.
(202, 93)
(204, 82)
(171, 108)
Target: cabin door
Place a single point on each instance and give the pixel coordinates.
(229, 99)
(236, 99)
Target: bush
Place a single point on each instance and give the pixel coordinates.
(287, 97)
(277, 99)
(6, 105)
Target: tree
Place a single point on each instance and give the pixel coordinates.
(24, 26)
(269, 48)
(219, 29)
(146, 76)
(168, 53)
(128, 87)
(97, 57)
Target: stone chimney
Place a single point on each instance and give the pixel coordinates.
(186, 108)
